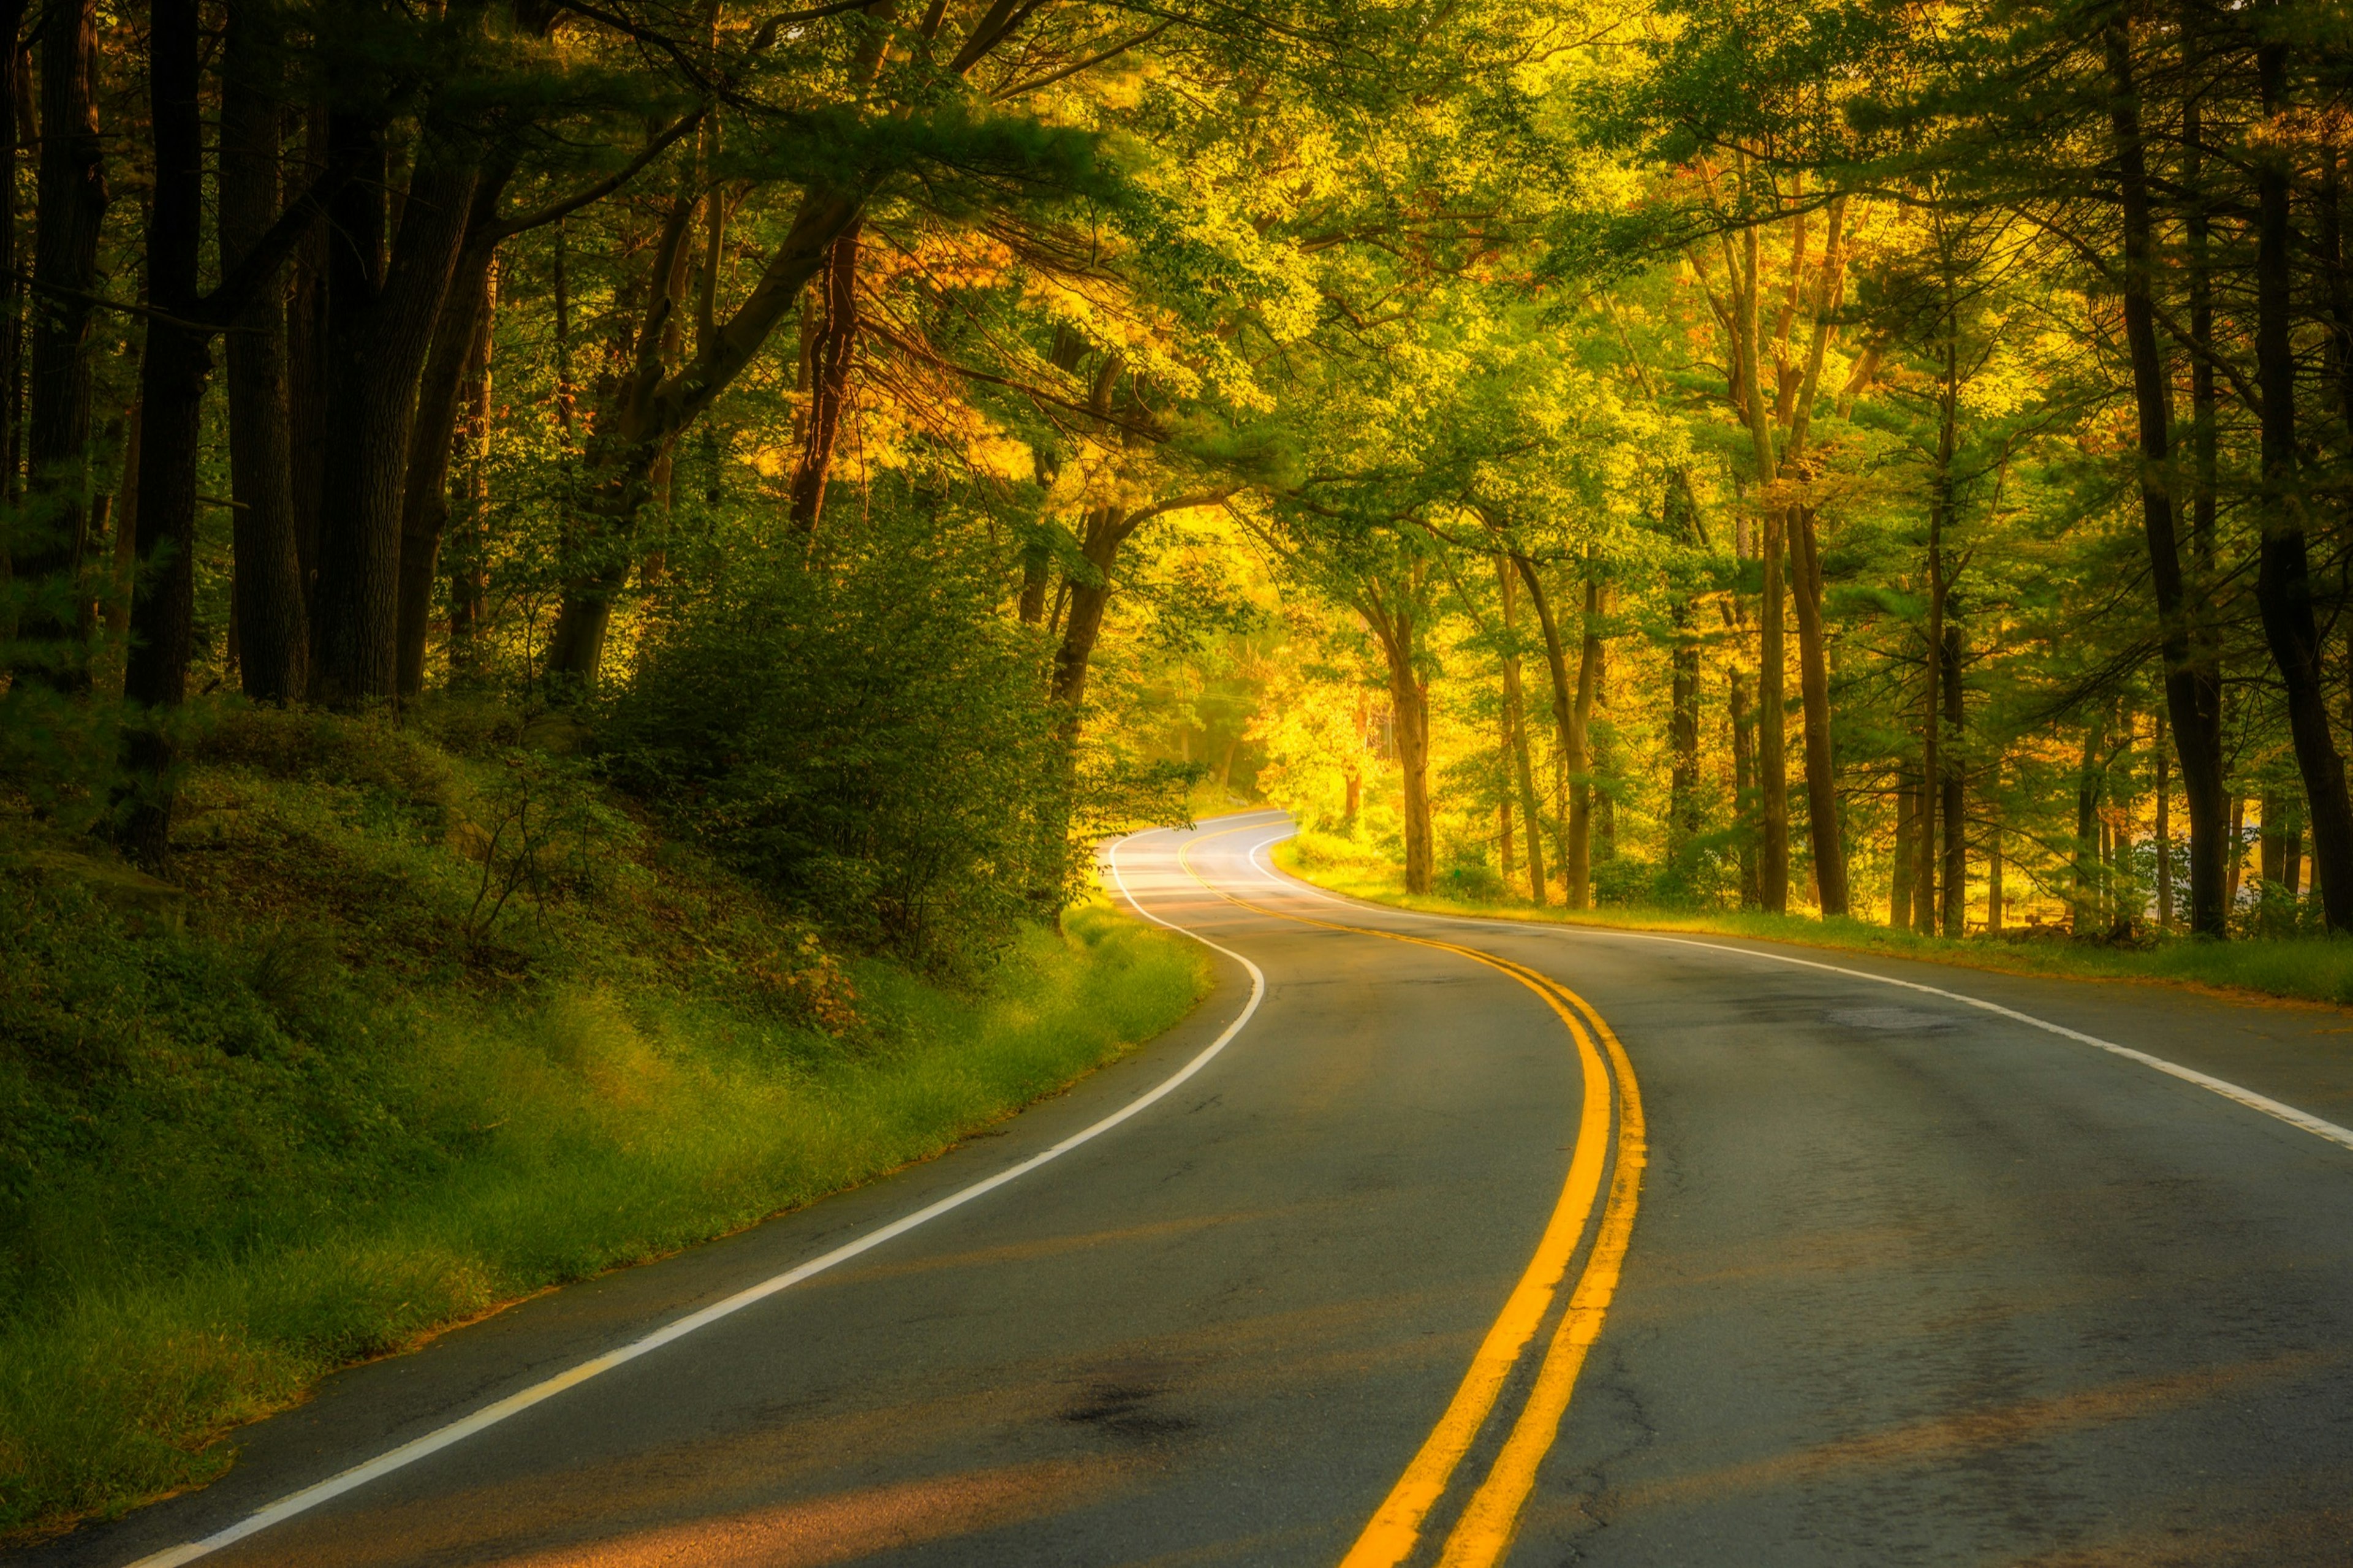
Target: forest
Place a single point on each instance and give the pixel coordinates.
(1870, 458)
(583, 580)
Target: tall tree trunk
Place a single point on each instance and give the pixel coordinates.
(1682, 736)
(2088, 782)
(1933, 754)
(14, 87)
(1814, 693)
(1570, 741)
(381, 315)
(458, 342)
(1409, 702)
(1993, 881)
(835, 351)
(2192, 672)
(1954, 813)
(1579, 871)
(1925, 863)
(306, 379)
(1899, 886)
(1090, 595)
(1739, 715)
(2160, 758)
(469, 573)
(71, 196)
(1516, 734)
(173, 373)
(1813, 650)
(2238, 852)
(273, 633)
(2282, 580)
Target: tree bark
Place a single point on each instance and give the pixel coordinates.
(1578, 872)
(2159, 757)
(1738, 714)
(1814, 694)
(1396, 629)
(1516, 730)
(380, 318)
(1773, 776)
(1899, 887)
(1682, 736)
(1956, 812)
(13, 89)
(173, 373)
(2193, 673)
(835, 351)
(1570, 739)
(273, 633)
(469, 576)
(1813, 650)
(71, 196)
(456, 344)
(2282, 578)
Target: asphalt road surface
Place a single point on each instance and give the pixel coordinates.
(1418, 1265)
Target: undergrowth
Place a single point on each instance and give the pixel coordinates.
(443, 1023)
(2310, 969)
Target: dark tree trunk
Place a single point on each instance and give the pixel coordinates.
(381, 315)
(1956, 812)
(1576, 873)
(1566, 736)
(1683, 734)
(1099, 548)
(1740, 715)
(272, 624)
(2283, 579)
(468, 578)
(13, 87)
(835, 351)
(1814, 693)
(1516, 734)
(1899, 887)
(1772, 760)
(2192, 674)
(457, 344)
(172, 373)
(306, 377)
(71, 194)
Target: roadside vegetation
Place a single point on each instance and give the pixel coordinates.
(2305, 969)
(431, 1019)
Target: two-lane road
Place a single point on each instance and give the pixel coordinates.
(1909, 1280)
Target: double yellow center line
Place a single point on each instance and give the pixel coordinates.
(1482, 1531)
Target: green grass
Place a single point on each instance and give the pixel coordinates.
(2308, 969)
(336, 1112)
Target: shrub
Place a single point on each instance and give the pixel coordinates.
(868, 741)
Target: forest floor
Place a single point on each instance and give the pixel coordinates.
(2310, 969)
(427, 1021)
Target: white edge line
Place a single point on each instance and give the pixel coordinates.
(516, 1403)
(2303, 1119)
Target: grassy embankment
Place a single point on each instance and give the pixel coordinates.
(2308, 969)
(431, 1024)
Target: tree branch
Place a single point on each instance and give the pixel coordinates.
(507, 228)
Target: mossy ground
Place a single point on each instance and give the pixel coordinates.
(344, 1104)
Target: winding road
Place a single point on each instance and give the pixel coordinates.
(1431, 1240)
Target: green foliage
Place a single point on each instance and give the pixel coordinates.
(865, 738)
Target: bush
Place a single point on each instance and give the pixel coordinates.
(868, 740)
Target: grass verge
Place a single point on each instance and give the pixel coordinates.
(314, 1108)
(2306, 969)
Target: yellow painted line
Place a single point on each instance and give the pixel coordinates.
(1396, 1526)
(1483, 1534)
